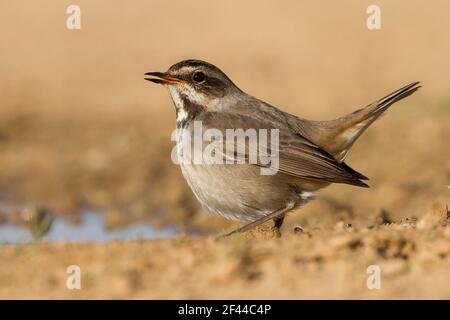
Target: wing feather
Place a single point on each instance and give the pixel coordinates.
(298, 156)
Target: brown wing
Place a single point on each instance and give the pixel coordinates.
(298, 156)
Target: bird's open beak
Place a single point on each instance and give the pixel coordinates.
(162, 78)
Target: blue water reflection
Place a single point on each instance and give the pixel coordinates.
(90, 229)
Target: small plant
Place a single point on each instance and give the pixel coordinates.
(39, 221)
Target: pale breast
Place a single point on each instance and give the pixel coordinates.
(235, 191)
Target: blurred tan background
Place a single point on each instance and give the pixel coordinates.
(79, 127)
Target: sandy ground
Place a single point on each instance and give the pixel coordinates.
(413, 256)
(80, 128)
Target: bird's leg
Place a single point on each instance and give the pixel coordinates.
(274, 215)
(277, 223)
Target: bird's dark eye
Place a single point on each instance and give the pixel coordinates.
(199, 76)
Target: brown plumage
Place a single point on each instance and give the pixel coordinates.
(337, 136)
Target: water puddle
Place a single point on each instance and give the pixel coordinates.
(90, 229)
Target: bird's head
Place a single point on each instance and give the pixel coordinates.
(196, 81)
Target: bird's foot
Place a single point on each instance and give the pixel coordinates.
(277, 215)
(265, 232)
